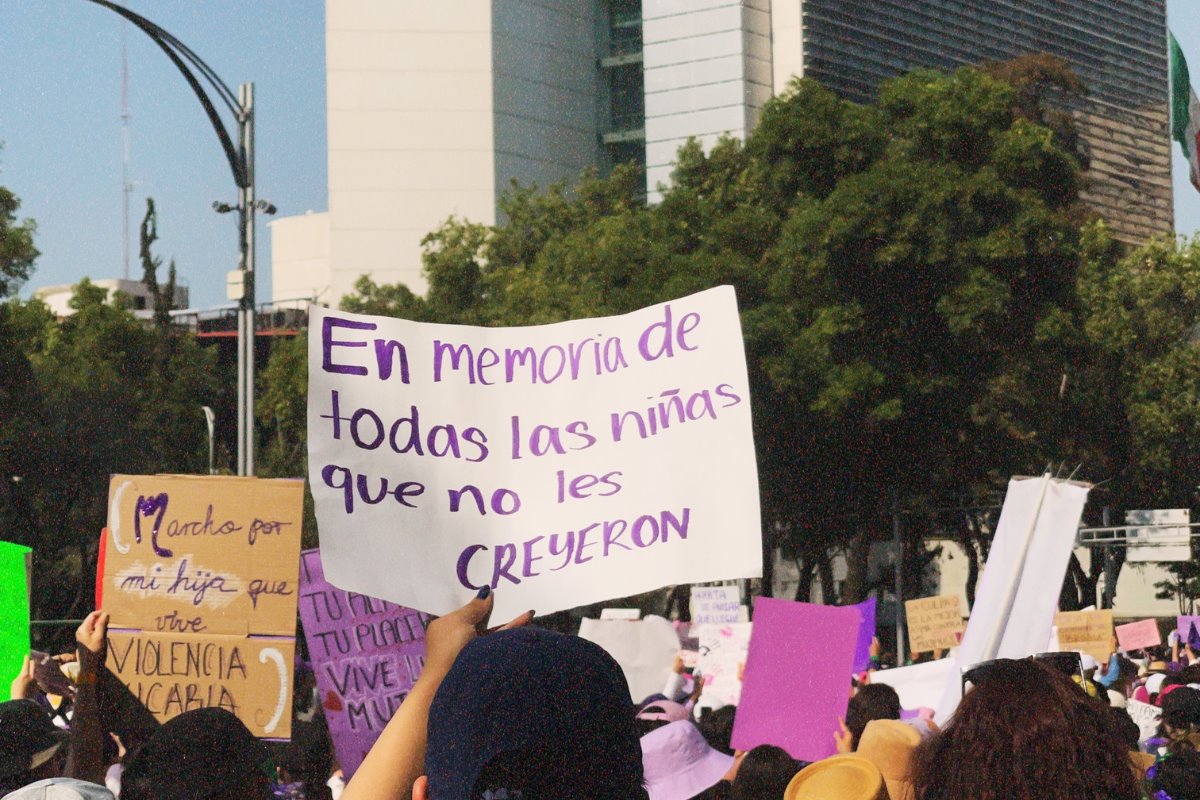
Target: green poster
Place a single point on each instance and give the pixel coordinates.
(14, 613)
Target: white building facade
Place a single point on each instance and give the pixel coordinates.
(435, 107)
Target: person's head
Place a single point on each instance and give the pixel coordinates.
(889, 744)
(1181, 712)
(1013, 735)
(845, 777)
(205, 754)
(764, 773)
(1178, 775)
(717, 728)
(1124, 727)
(31, 748)
(61, 789)
(654, 715)
(531, 711)
(873, 701)
(679, 764)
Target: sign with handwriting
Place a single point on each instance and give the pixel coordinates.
(934, 623)
(200, 577)
(561, 464)
(1088, 632)
(366, 654)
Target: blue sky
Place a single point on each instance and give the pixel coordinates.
(60, 106)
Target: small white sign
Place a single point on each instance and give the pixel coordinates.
(716, 605)
(1163, 542)
(621, 613)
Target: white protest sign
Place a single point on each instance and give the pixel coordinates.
(716, 605)
(723, 650)
(919, 685)
(1017, 595)
(645, 649)
(1146, 716)
(560, 464)
(621, 613)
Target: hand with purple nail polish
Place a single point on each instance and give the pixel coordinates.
(447, 636)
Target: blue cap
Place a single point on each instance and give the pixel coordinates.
(561, 699)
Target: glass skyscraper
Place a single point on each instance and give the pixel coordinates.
(1116, 47)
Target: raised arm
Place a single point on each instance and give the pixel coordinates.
(398, 757)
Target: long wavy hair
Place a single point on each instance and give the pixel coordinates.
(1025, 733)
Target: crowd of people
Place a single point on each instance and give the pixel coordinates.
(522, 713)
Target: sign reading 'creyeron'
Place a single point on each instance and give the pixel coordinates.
(560, 464)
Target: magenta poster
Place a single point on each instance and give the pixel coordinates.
(366, 654)
(796, 682)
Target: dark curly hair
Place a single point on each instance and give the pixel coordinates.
(1025, 733)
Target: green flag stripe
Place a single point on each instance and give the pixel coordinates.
(1181, 90)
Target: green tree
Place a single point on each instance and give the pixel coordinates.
(103, 394)
(17, 252)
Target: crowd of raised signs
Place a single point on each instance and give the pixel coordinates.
(518, 711)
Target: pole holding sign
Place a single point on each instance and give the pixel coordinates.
(200, 577)
(561, 464)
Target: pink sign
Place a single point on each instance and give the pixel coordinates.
(796, 682)
(1138, 635)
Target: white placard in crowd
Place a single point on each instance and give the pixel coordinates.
(723, 650)
(645, 649)
(559, 464)
(716, 605)
(919, 685)
(1022, 578)
(1146, 716)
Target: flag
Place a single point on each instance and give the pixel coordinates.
(1185, 111)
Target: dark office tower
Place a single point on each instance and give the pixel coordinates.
(1117, 47)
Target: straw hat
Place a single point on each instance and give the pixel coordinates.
(889, 745)
(849, 777)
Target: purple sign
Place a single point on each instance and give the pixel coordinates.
(866, 632)
(796, 682)
(366, 653)
(1189, 630)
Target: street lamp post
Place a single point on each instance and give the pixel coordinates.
(241, 163)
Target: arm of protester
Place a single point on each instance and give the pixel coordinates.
(397, 758)
(24, 687)
(843, 738)
(86, 761)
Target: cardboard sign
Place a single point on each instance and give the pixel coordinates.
(1139, 635)
(716, 605)
(1146, 716)
(723, 652)
(170, 674)
(560, 464)
(1018, 591)
(14, 613)
(645, 649)
(796, 683)
(196, 568)
(934, 623)
(366, 654)
(919, 685)
(1089, 632)
(866, 632)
